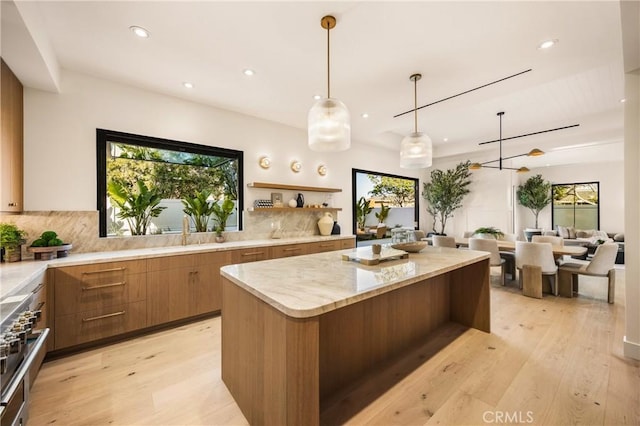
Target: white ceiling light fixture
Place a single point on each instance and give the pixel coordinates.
(547, 44)
(364, 115)
(248, 72)
(329, 121)
(139, 31)
(416, 149)
(188, 85)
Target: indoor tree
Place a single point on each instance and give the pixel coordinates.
(445, 192)
(534, 194)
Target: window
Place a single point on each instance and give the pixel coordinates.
(577, 205)
(396, 193)
(166, 171)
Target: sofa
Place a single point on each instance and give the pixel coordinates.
(590, 238)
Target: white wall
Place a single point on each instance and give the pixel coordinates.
(60, 139)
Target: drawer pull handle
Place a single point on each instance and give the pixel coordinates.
(292, 249)
(104, 270)
(114, 314)
(326, 245)
(253, 253)
(37, 289)
(98, 287)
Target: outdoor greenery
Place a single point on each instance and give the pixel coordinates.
(221, 213)
(383, 213)
(445, 192)
(534, 194)
(137, 205)
(399, 192)
(491, 231)
(363, 208)
(200, 209)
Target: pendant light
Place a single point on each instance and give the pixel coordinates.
(416, 148)
(329, 122)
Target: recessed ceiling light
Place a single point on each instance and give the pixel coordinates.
(139, 31)
(547, 44)
(317, 97)
(446, 139)
(248, 72)
(187, 85)
(623, 100)
(364, 115)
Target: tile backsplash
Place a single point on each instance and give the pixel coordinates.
(80, 228)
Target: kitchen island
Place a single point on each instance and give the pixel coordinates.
(296, 331)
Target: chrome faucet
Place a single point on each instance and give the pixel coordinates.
(185, 229)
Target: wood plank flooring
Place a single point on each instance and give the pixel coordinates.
(549, 361)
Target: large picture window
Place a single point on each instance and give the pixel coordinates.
(156, 176)
(577, 205)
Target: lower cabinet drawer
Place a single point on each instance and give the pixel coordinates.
(251, 254)
(323, 246)
(347, 244)
(88, 326)
(288, 250)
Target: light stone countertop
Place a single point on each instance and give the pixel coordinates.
(15, 275)
(310, 285)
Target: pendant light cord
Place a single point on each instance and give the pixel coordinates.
(500, 114)
(328, 63)
(415, 105)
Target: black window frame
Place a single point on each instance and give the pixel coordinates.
(103, 136)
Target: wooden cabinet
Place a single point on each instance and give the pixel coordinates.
(184, 286)
(250, 254)
(11, 142)
(289, 250)
(348, 244)
(99, 300)
(323, 246)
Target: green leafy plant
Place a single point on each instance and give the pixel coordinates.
(137, 205)
(363, 208)
(11, 238)
(221, 213)
(445, 192)
(383, 213)
(534, 194)
(491, 231)
(47, 239)
(200, 209)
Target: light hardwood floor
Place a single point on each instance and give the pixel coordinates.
(550, 361)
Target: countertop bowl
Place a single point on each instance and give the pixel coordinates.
(411, 247)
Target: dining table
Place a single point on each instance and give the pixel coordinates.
(505, 245)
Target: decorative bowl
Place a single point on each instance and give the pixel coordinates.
(411, 247)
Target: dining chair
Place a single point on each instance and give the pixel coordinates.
(467, 234)
(443, 241)
(601, 265)
(537, 254)
(419, 235)
(556, 241)
(509, 256)
(491, 246)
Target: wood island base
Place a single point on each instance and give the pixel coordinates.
(281, 369)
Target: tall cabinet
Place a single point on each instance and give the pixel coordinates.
(11, 142)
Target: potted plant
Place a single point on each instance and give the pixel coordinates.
(363, 208)
(534, 194)
(200, 209)
(445, 192)
(489, 230)
(11, 240)
(383, 213)
(221, 213)
(137, 206)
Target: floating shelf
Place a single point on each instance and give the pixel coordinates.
(292, 187)
(299, 209)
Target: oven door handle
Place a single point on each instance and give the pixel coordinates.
(24, 368)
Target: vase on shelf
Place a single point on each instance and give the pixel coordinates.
(300, 200)
(325, 224)
(335, 230)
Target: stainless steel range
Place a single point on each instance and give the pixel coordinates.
(22, 349)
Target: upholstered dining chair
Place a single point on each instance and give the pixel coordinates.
(443, 241)
(419, 235)
(509, 256)
(467, 234)
(556, 241)
(537, 254)
(601, 265)
(491, 246)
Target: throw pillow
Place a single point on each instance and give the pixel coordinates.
(572, 232)
(563, 231)
(582, 234)
(600, 234)
(618, 237)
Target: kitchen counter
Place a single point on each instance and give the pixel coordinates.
(14, 275)
(298, 331)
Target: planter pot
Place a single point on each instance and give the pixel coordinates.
(529, 232)
(12, 254)
(485, 236)
(220, 239)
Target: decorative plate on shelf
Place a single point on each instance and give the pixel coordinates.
(411, 247)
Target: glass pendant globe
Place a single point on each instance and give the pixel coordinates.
(416, 151)
(329, 126)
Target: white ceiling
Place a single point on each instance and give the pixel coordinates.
(375, 47)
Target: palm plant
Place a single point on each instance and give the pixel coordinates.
(383, 213)
(137, 207)
(200, 209)
(221, 213)
(363, 208)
